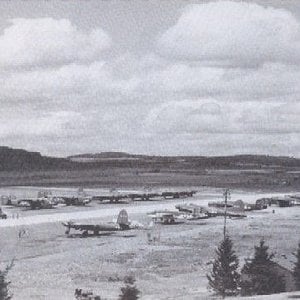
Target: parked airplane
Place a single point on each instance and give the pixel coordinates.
(239, 204)
(76, 201)
(44, 200)
(111, 198)
(121, 224)
(166, 216)
(35, 203)
(80, 200)
(176, 195)
(38, 203)
(143, 197)
(194, 209)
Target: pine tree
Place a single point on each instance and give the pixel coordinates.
(296, 271)
(224, 278)
(129, 292)
(259, 276)
(4, 284)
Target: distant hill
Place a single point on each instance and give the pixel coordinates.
(22, 160)
(235, 161)
(103, 156)
(115, 169)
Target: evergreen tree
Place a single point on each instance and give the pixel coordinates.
(224, 278)
(4, 284)
(260, 276)
(129, 291)
(296, 271)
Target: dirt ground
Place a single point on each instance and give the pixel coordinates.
(49, 265)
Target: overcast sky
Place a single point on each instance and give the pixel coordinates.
(151, 77)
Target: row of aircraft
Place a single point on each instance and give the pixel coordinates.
(184, 212)
(191, 211)
(45, 200)
(143, 196)
(188, 212)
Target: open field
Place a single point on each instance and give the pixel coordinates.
(273, 179)
(48, 265)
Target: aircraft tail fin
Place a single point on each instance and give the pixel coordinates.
(123, 219)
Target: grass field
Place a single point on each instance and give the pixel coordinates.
(271, 178)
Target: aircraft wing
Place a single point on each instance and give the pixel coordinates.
(92, 227)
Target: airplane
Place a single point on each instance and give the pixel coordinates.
(76, 201)
(207, 212)
(165, 216)
(111, 198)
(239, 204)
(231, 212)
(143, 197)
(122, 224)
(80, 200)
(36, 203)
(194, 211)
(44, 200)
(176, 195)
(190, 208)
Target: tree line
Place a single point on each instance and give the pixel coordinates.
(259, 275)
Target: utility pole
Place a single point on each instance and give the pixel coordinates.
(226, 196)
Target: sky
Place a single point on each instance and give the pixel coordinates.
(150, 77)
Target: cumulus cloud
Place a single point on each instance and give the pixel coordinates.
(49, 42)
(209, 116)
(232, 85)
(36, 124)
(71, 80)
(227, 33)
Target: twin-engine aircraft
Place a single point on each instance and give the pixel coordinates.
(122, 224)
(194, 209)
(81, 199)
(44, 200)
(165, 216)
(36, 203)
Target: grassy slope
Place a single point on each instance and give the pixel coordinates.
(19, 167)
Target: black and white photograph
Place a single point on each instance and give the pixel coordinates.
(149, 149)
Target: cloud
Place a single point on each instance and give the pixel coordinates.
(182, 80)
(232, 86)
(71, 81)
(28, 43)
(227, 33)
(36, 123)
(209, 116)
